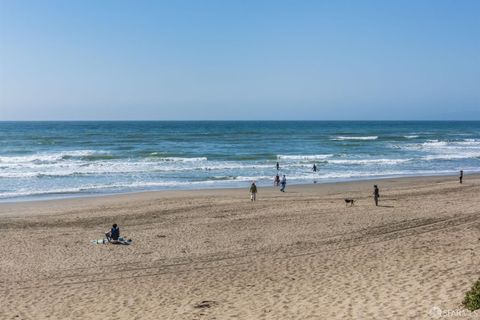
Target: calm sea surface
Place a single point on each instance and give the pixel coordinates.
(58, 159)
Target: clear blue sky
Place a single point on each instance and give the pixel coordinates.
(317, 60)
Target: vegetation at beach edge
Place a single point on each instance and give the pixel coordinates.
(472, 297)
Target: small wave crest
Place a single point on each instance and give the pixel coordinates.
(160, 157)
(304, 157)
(54, 156)
(469, 155)
(369, 161)
(342, 138)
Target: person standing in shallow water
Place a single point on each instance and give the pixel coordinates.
(461, 176)
(253, 191)
(376, 194)
(276, 181)
(283, 183)
(278, 166)
(314, 168)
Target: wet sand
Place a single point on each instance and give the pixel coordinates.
(213, 254)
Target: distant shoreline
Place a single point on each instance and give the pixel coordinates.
(213, 190)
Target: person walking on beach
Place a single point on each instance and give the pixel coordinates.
(253, 192)
(314, 167)
(278, 166)
(461, 176)
(276, 181)
(283, 183)
(376, 194)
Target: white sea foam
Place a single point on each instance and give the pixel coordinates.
(357, 174)
(452, 156)
(369, 161)
(304, 157)
(341, 138)
(332, 175)
(112, 187)
(439, 150)
(71, 167)
(411, 137)
(470, 142)
(49, 156)
(434, 144)
(180, 159)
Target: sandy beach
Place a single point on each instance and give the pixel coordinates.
(213, 254)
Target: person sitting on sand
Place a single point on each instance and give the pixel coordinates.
(253, 191)
(376, 194)
(113, 234)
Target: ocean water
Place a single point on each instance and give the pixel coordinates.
(59, 159)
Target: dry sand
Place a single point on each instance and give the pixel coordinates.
(212, 254)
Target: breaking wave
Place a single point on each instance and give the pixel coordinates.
(341, 138)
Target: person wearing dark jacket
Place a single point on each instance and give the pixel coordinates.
(283, 183)
(253, 191)
(114, 233)
(276, 181)
(376, 194)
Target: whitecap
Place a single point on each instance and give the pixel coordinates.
(48, 157)
(341, 138)
(452, 156)
(368, 161)
(180, 159)
(304, 157)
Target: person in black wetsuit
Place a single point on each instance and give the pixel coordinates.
(376, 194)
(283, 183)
(276, 181)
(114, 233)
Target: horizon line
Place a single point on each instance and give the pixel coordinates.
(245, 120)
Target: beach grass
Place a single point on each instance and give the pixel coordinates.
(472, 297)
